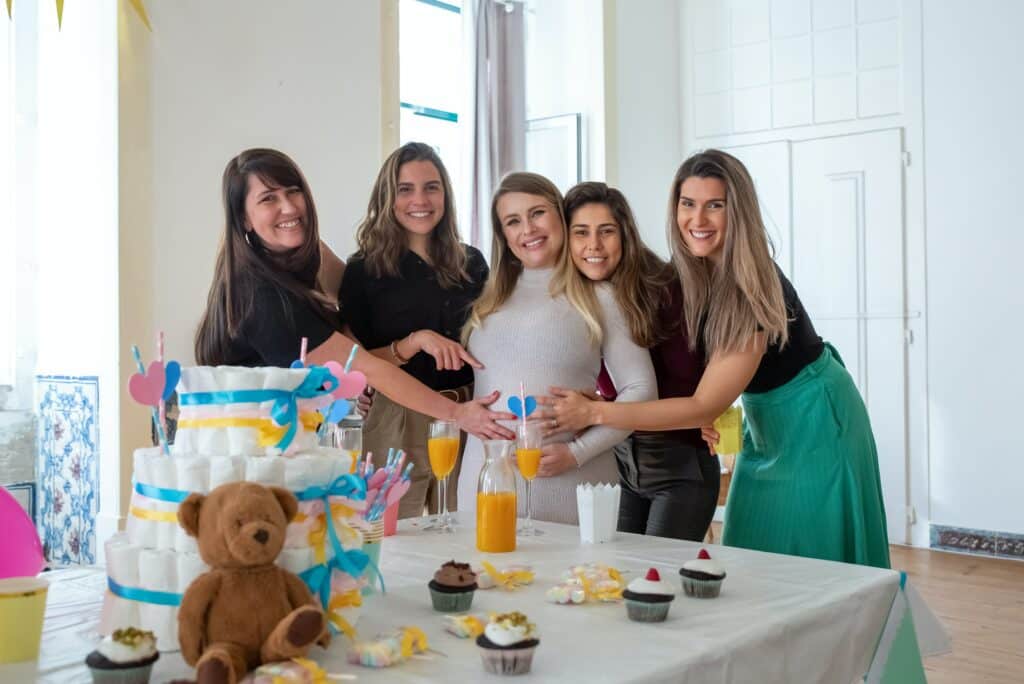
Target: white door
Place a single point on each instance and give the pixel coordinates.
(847, 266)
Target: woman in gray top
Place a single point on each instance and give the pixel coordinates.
(540, 323)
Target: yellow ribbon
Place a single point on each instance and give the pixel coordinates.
(510, 580)
(603, 594)
(350, 599)
(317, 535)
(270, 433)
(413, 641)
(155, 516)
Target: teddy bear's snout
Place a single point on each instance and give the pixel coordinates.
(261, 536)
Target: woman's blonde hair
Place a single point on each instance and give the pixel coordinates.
(506, 268)
(381, 238)
(728, 305)
(642, 279)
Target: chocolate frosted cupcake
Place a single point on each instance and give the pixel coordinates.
(507, 644)
(124, 657)
(702, 578)
(452, 588)
(648, 598)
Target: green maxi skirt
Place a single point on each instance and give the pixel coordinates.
(806, 482)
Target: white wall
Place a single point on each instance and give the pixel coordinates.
(564, 72)
(644, 142)
(212, 79)
(973, 108)
(962, 133)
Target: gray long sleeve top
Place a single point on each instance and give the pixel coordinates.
(542, 342)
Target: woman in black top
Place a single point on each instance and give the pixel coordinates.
(807, 480)
(405, 295)
(266, 295)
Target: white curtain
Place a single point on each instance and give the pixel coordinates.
(494, 128)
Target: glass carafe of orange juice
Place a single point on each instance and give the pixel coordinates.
(496, 499)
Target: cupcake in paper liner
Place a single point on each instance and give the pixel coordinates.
(507, 644)
(648, 598)
(702, 578)
(124, 657)
(451, 590)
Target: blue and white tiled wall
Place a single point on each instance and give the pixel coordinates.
(68, 467)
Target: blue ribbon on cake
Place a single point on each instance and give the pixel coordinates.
(285, 410)
(354, 561)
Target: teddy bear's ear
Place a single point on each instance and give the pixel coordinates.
(289, 504)
(188, 514)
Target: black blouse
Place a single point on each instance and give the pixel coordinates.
(779, 366)
(272, 334)
(382, 310)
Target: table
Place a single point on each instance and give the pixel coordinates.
(778, 619)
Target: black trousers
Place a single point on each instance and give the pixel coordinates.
(669, 486)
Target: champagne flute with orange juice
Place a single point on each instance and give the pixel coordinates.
(443, 451)
(528, 450)
(496, 500)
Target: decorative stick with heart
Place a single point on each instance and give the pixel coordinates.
(350, 384)
(148, 388)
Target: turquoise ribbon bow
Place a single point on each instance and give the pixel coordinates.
(353, 562)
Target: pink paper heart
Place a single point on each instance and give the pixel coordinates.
(398, 491)
(349, 384)
(149, 388)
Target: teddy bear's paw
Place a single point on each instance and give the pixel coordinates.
(215, 669)
(305, 628)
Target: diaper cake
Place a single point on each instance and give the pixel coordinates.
(240, 424)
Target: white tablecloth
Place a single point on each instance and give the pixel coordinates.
(778, 619)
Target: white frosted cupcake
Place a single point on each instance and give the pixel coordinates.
(507, 644)
(702, 578)
(124, 657)
(648, 598)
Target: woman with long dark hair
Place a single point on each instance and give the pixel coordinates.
(669, 478)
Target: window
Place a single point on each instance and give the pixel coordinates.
(431, 78)
(7, 219)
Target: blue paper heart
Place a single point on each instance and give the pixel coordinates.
(516, 406)
(297, 363)
(337, 411)
(172, 373)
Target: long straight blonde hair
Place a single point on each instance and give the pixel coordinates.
(728, 305)
(506, 268)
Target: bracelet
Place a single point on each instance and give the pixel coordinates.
(394, 353)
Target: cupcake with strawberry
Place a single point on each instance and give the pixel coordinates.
(702, 577)
(648, 598)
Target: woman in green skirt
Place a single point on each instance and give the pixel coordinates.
(806, 481)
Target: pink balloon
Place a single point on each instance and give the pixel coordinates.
(21, 553)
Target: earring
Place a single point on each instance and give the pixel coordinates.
(248, 241)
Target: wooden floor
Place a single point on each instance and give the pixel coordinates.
(981, 603)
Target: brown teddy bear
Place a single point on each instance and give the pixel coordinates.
(246, 610)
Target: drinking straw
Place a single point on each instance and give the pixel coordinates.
(152, 409)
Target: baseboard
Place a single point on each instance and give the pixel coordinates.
(985, 543)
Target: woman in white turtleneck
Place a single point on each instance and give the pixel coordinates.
(540, 323)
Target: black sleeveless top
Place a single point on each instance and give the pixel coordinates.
(779, 366)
